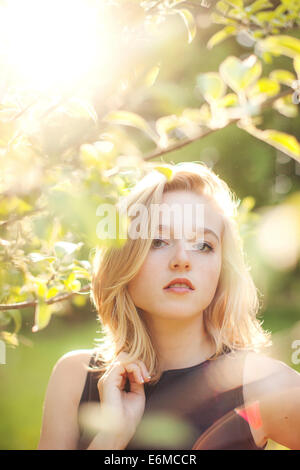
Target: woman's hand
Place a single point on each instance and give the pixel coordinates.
(128, 407)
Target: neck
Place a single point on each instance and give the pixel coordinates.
(179, 343)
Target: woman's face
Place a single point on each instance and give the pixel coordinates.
(170, 257)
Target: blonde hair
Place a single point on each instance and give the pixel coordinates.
(231, 318)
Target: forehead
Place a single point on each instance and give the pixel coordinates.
(193, 210)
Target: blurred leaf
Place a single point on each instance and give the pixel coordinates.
(283, 76)
(17, 318)
(219, 19)
(152, 75)
(285, 45)
(42, 316)
(52, 292)
(286, 107)
(258, 5)
(297, 65)
(167, 172)
(164, 125)
(221, 35)
(128, 118)
(239, 75)
(189, 21)
(37, 257)
(9, 338)
(286, 143)
(264, 86)
(66, 248)
(223, 7)
(228, 100)
(72, 284)
(211, 86)
(235, 3)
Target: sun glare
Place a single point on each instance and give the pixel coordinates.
(50, 44)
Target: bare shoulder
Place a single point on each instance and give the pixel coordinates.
(262, 376)
(65, 386)
(70, 372)
(268, 381)
(260, 368)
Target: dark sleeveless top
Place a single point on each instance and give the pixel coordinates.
(187, 409)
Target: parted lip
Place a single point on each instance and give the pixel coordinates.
(182, 280)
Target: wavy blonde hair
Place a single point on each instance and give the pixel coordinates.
(231, 318)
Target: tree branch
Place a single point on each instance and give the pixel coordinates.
(182, 143)
(57, 298)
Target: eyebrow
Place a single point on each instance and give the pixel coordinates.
(206, 230)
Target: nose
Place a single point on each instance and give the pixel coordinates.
(180, 259)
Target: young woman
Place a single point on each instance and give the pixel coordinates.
(181, 363)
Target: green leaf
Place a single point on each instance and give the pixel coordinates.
(286, 143)
(40, 287)
(239, 75)
(166, 124)
(265, 16)
(235, 3)
(9, 338)
(42, 316)
(222, 7)
(283, 76)
(221, 35)
(265, 86)
(17, 318)
(286, 107)
(66, 248)
(38, 257)
(52, 292)
(128, 118)
(219, 19)
(72, 284)
(211, 86)
(189, 21)
(230, 99)
(151, 76)
(285, 45)
(258, 5)
(297, 65)
(166, 171)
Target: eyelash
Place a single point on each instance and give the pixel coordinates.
(203, 244)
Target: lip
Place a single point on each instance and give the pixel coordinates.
(181, 280)
(178, 290)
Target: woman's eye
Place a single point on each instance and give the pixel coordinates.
(154, 245)
(203, 245)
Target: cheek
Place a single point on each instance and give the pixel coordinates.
(210, 268)
(138, 285)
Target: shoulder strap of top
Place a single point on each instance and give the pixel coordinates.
(87, 390)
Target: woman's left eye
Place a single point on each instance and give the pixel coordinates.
(203, 245)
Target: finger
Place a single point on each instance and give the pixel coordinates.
(136, 371)
(144, 370)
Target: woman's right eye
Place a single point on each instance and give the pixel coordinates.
(156, 240)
